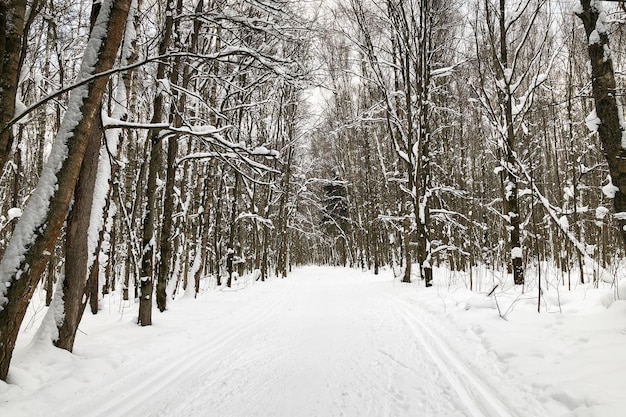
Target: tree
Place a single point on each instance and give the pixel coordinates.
(506, 97)
(12, 25)
(335, 220)
(35, 234)
(84, 227)
(403, 43)
(608, 115)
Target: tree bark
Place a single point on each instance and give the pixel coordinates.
(76, 246)
(610, 130)
(77, 227)
(422, 160)
(282, 230)
(511, 203)
(204, 227)
(11, 32)
(232, 231)
(166, 261)
(148, 242)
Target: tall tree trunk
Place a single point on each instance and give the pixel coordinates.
(109, 283)
(76, 246)
(146, 277)
(282, 232)
(177, 108)
(50, 279)
(233, 229)
(11, 32)
(608, 109)
(148, 241)
(406, 240)
(165, 261)
(35, 235)
(77, 226)
(204, 228)
(132, 167)
(82, 268)
(422, 159)
(217, 245)
(166, 232)
(511, 204)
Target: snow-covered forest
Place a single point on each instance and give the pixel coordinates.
(155, 152)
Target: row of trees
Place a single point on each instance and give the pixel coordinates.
(155, 146)
(466, 133)
(169, 152)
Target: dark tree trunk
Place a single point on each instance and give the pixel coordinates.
(264, 266)
(50, 281)
(604, 94)
(406, 240)
(204, 228)
(283, 235)
(146, 277)
(148, 241)
(166, 232)
(11, 33)
(217, 232)
(109, 277)
(233, 229)
(424, 136)
(91, 291)
(511, 203)
(76, 246)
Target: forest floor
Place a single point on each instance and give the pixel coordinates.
(334, 342)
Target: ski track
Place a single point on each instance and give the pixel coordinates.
(320, 344)
(142, 384)
(480, 400)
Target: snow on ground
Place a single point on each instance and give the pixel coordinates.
(572, 355)
(335, 342)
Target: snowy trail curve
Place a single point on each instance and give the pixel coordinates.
(324, 342)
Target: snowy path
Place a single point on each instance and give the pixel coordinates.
(324, 342)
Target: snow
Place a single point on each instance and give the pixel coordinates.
(508, 74)
(601, 22)
(262, 150)
(20, 107)
(14, 213)
(48, 330)
(601, 212)
(442, 72)
(620, 216)
(568, 192)
(564, 222)
(609, 189)
(578, 9)
(593, 121)
(331, 341)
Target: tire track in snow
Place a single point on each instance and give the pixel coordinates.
(144, 383)
(480, 399)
